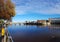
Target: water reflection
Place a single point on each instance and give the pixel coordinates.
(33, 33)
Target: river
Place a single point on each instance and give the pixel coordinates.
(33, 33)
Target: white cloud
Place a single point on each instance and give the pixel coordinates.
(39, 6)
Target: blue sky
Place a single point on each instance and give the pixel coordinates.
(36, 9)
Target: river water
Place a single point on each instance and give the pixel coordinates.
(33, 33)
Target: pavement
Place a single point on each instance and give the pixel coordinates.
(2, 40)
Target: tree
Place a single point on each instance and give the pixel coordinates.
(7, 9)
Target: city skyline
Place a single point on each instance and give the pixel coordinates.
(29, 10)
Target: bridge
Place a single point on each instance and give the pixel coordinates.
(15, 23)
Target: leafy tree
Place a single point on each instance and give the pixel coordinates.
(7, 9)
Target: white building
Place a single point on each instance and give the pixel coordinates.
(54, 20)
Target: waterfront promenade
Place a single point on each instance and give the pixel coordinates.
(7, 37)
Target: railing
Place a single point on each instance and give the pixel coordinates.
(9, 38)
